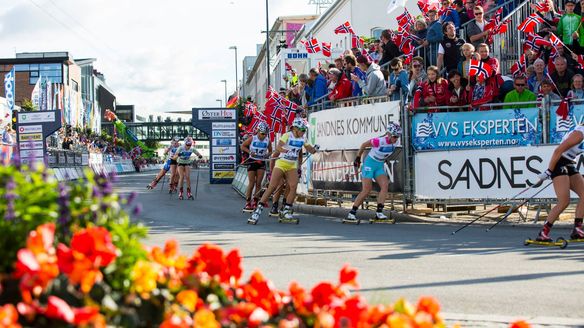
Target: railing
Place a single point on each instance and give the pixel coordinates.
(346, 102)
(508, 47)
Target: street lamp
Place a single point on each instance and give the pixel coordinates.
(220, 102)
(225, 82)
(268, 43)
(236, 76)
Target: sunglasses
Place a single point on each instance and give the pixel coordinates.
(188, 144)
(478, 14)
(519, 84)
(301, 130)
(417, 66)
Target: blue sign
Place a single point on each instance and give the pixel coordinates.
(559, 127)
(9, 88)
(480, 129)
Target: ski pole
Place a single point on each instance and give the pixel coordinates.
(494, 208)
(523, 203)
(333, 168)
(163, 179)
(197, 183)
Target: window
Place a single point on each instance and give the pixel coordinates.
(75, 85)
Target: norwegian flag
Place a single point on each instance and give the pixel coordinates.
(271, 96)
(501, 28)
(288, 66)
(405, 20)
(479, 69)
(535, 42)
(250, 109)
(495, 20)
(542, 7)
(356, 41)
(365, 54)
(530, 23)
(312, 46)
(326, 49)
(555, 41)
(424, 6)
(580, 62)
(344, 28)
(274, 119)
(288, 117)
(255, 121)
(564, 108)
(520, 67)
(410, 55)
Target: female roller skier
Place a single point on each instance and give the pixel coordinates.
(259, 149)
(183, 158)
(169, 165)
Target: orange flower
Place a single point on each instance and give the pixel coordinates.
(36, 265)
(348, 276)
(429, 305)
(323, 294)
(177, 321)
(298, 295)
(520, 324)
(352, 312)
(8, 316)
(169, 257)
(188, 299)
(91, 249)
(262, 293)
(144, 276)
(205, 319)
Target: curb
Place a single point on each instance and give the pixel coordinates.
(341, 213)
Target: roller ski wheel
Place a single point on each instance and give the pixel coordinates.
(285, 218)
(274, 211)
(190, 195)
(560, 242)
(254, 218)
(351, 221)
(248, 208)
(294, 220)
(381, 218)
(149, 187)
(252, 221)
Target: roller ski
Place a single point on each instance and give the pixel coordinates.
(286, 216)
(256, 215)
(274, 212)
(560, 242)
(381, 218)
(180, 194)
(189, 194)
(351, 219)
(577, 235)
(152, 184)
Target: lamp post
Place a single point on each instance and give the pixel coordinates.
(220, 102)
(225, 82)
(236, 75)
(268, 43)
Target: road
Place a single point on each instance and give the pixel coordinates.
(475, 275)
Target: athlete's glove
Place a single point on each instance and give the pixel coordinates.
(545, 175)
(357, 162)
(317, 147)
(200, 156)
(299, 172)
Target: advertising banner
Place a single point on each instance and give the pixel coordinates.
(498, 173)
(481, 129)
(559, 127)
(334, 170)
(32, 128)
(349, 127)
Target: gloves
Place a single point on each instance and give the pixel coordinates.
(317, 147)
(357, 162)
(545, 175)
(299, 172)
(200, 156)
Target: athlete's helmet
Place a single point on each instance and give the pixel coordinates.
(394, 129)
(176, 139)
(300, 123)
(188, 141)
(263, 128)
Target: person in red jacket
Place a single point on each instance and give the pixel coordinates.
(458, 95)
(343, 88)
(433, 92)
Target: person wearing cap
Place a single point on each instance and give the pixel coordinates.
(342, 87)
(569, 28)
(375, 85)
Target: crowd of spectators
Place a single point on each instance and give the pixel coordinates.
(439, 73)
(85, 141)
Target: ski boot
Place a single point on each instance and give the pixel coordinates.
(256, 215)
(152, 185)
(577, 235)
(544, 237)
(351, 218)
(274, 211)
(381, 218)
(189, 194)
(286, 216)
(180, 194)
(248, 207)
(254, 203)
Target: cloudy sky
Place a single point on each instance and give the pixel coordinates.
(157, 55)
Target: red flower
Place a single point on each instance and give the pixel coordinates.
(520, 324)
(351, 313)
(323, 294)
(348, 276)
(429, 305)
(59, 309)
(298, 295)
(8, 317)
(262, 293)
(208, 258)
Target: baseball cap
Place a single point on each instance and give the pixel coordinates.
(570, 1)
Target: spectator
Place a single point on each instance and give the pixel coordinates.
(469, 6)
(467, 50)
(483, 50)
(461, 11)
(449, 49)
(375, 86)
(398, 80)
(342, 87)
(433, 92)
(577, 9)
(539, 74)
(577, 91)
(448, 14)
(67, 143)
(433, 38)
(547, 87)
(481, 93)
(376, 52)
(352, 69)
(390, 50)
(569, 26)
(339, 64)
(562, 76)
(417, 75)
(475, 31)
(459, 96)
(318, 89)
(519, 94)
(421, 30)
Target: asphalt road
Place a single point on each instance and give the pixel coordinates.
(477, 276)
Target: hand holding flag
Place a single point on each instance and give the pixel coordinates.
(480, 70)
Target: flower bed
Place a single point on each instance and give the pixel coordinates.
(72, 257)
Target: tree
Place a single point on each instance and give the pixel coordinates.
(27, 105)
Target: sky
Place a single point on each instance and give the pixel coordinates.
(157, 55)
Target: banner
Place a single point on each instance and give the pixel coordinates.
(349, 127)
(558, 127)
(481, 129)
(498, 173)
(334, 171)
(9, 89)
(35, 97)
